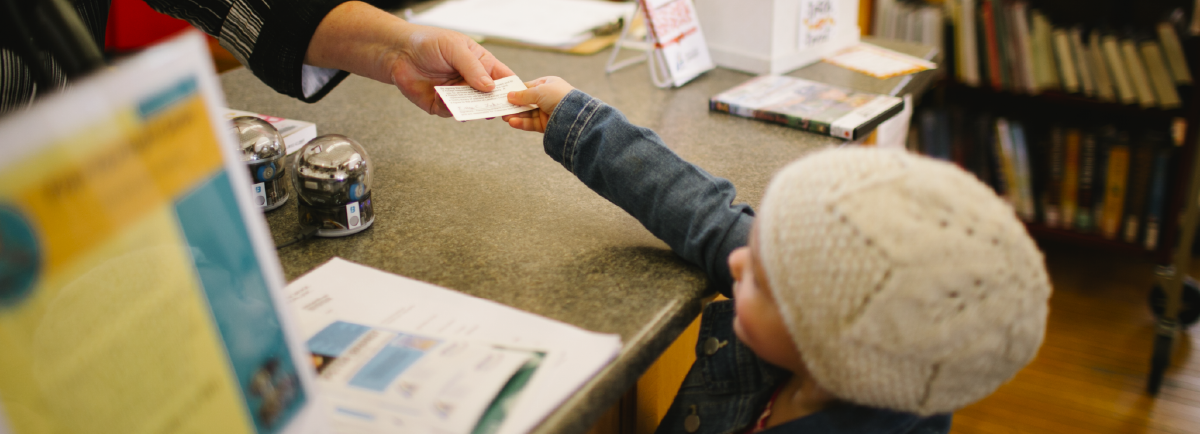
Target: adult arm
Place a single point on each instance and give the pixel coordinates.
(681, 204)
(304, 48)
(270, 37)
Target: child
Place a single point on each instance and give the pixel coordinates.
(876, 291)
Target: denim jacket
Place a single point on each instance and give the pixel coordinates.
(728, 387)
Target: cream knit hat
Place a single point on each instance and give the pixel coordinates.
(905, 282)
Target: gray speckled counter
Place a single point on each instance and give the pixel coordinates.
(479, 208)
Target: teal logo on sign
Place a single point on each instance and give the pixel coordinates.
(20, 257)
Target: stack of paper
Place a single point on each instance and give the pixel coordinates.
(382, 344)
(547, 23)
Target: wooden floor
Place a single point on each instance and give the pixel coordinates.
(1090, 374)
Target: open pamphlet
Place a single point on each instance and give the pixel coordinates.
(398, 355)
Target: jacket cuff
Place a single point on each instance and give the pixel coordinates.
(278, 55)
(568, 122)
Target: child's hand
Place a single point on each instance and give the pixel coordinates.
(546, 92)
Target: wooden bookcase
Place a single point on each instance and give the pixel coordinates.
(1058, 107)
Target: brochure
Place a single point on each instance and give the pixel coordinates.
(346, 308)
(139, 289)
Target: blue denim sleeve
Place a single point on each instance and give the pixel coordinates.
(681, 204)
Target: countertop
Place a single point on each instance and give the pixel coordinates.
(478, 207)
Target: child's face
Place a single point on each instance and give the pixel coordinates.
(758, 322)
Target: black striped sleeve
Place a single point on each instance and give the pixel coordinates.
(268, 36)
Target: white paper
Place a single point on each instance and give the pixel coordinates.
(425, 384)
(879, 62)
(466, 103)
(341, 290)
(549, 23)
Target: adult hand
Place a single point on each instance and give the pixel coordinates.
(438, 57)
(361, 39)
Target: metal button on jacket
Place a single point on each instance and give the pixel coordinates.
(692, 422)
(711, 345)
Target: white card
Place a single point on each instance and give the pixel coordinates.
(466, 103)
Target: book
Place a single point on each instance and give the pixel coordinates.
(1025, 202)
(1157, 198)
(1052, 194)
(808, 105)
(1066, 61)
(1160, 76)
(1084, 215)
(966, 45)
(985, 137)
(1008, 163)
(1045, 67)
(1141, 165)
(1070, 180)
(1024, 43)
(1116, 64)
(1105, 89)
(295, 133)
(1083, 66)
(1173, 51)
(1004, 45)
(990, 35)
(1137, 74)
(1114, 191)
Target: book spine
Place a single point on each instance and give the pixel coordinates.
(985, 130)
(1116, 65)
(1020, 20)
(993, 49)
(1045, 67)
(1066, 61)
(1101, 180)
(1004, 45)
(1004, 149)
(1160, 77)
(1174, 54)
(1137, 74)
(1139, 184)
(1114, 191)
(1158, 193)
(968, 48)
(1104, 84)
(1084, 217)
(1070, 181)
(1080, 56)
(778, 118)
(1025, 208)
(1052, 195)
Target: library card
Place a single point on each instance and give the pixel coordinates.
(466, 103)
(878, 62)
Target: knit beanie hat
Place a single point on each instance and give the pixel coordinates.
(905, 282)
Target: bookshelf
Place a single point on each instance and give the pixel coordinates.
(1085, 116)
(1026, 97)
